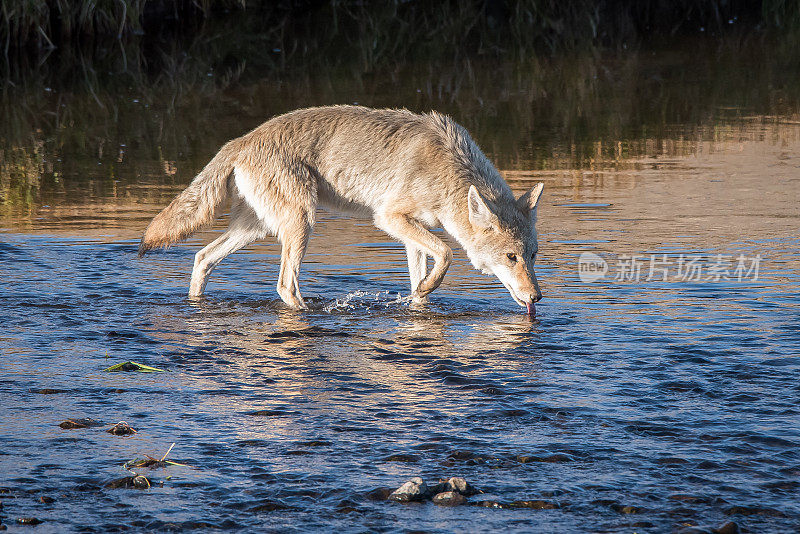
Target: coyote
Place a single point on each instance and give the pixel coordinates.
(408, 172)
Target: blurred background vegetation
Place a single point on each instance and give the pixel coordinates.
(95, 92)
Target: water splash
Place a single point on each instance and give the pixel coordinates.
(365, 299)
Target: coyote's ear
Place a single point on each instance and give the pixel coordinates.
(528, 201)
(480, 214)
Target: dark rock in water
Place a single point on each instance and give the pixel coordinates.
(29, 521)
(121, 429)
(456, 484)
(136, 482)
(413, 490)
(48, 391)
(269, 506)
(558, 458)
(298, 452)
(269, 413)
(754, 510)
(491, 504)
(552, 459)
(604, 502)
(347, 506)
(44, 499)
(449, 498)
(461, 486)
(314, 443)
(727, 528)
(87, 422)
(406, 458)
(689, 499)
(626, 509)
(313, 331)
(379, 494)
(535, 505)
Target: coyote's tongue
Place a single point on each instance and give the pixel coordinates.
(531, 309)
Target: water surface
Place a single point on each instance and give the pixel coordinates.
(629, 404)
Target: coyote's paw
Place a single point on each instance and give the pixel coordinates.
(293, 300)
(416, 298)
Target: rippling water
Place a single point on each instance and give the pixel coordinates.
(628, 404)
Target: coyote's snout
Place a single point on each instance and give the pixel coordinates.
(409, 172)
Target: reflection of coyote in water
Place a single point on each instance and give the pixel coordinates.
(408, 172)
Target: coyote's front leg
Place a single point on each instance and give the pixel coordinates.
(416, 237)
(417, 269)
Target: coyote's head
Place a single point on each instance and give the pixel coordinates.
(504, 242)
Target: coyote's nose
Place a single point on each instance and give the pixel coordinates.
(536, 297)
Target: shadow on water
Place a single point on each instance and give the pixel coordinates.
(630, 402)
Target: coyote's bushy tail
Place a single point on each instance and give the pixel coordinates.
(194, 207)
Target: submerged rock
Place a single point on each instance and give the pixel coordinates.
(33, 521)
(379, 494)
(121, 429)
(727, 528)
(449, 498)
(86, 422)
(136, 482)
(44, 499)
(754, 510)
(451, 491)
(461, 486)
(535, 505)
(269, 506)
(413, 490)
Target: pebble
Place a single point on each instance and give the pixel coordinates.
(413, 490)
(754, 510)
(461, 486)
(406, 458)
(269, 506)
(87, 422)
(29, 521)
(121, 429)
(138, 482)
(535, 505)
(727, 528)
(449, 498)
(379, 494)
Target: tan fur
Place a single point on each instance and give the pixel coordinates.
(409, 172)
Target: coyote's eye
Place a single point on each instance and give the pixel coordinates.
(511, 256)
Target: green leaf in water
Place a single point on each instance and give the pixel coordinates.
(134, 366)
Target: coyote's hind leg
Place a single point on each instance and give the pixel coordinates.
(294, 239)
(244, 228)
(210, 256)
